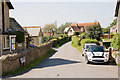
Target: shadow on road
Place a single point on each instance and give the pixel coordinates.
(55, 62)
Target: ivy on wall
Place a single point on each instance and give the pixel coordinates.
(20, 37)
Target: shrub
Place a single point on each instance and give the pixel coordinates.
(88, 41)
(116, 41)
(45, 38)
(77, 33)
(82, 36)
(75, 40)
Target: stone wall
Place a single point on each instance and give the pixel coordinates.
(12, 62)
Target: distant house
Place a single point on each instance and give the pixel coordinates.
(36, 33)
(66, 30)
(79, 27)
(113, 30)
(117, 14)
(82, 26)
(48, 34)
(14, 27)
(73, 30)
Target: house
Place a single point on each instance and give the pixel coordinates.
(73, 30)
(117, 14)
(35, 33)
(113, 30)
(48, 34)
(8, 40)
(79, 27)
(14, 27)
(66, 30)
(82, 26)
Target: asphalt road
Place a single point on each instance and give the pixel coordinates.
(67, 62)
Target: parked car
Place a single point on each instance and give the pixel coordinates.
(85, 47)
(96, 54)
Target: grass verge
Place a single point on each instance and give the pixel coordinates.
(29, 66)
(79, 48)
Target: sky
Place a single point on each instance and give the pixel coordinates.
(39, 12)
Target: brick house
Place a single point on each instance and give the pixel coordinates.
(80, 27)
(117, 14)
(73, 30)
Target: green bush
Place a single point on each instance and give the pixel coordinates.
(88, 41)
(82, 36)
(60, 41)
(45, 39)
(75, 40)
(116, 41)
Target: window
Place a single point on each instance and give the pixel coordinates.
(5, 43)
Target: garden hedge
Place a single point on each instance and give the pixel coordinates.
(116, 41)
(83, 41)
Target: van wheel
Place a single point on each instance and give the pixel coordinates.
(86, 60)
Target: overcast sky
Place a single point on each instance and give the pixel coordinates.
(39, 12)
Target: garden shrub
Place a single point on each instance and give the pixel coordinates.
(89, 41)
(75, 40)
(116, 41)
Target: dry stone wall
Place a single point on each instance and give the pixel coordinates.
(13, 62)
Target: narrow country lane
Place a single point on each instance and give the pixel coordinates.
(68, 63)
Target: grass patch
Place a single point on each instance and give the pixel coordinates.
(29, 66)
(79, 48)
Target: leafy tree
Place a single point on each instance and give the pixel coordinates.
(52, 28)
(94, 32)
(63, 26)
(113, 23)
(116, 41)
(106, 30)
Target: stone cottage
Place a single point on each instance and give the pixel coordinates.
(15, 26)
(8, 40)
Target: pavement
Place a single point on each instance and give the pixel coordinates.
(67, 62)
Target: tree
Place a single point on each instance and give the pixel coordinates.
(113, 23)
(50, 28)
(63, 26)
(94, 32)
(106, 30)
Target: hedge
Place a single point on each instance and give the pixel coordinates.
(83, 41)
(76, 41)
(60, 41)
(116, 41)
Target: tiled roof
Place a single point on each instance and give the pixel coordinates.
(84, 24)
(47, 34)
(15, 26)
(75, 28)
(33, 31)
(9, 4)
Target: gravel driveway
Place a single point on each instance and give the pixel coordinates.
(68, 63)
